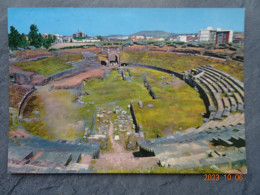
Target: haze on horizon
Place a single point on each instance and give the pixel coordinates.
(124, 21)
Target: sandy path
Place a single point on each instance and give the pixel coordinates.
(120, 159)
(77, 79)
(117, 147)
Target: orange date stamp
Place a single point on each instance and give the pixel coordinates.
(226, 177)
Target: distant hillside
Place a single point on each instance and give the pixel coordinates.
(154, 34)
(157, 33)
(114, 36)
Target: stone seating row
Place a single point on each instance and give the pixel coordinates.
(215, 96)
(235, 99)
(222, 83)
(229, 81)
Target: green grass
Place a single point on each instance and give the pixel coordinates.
(50, 127)
(38, 128)
(51, 65)
(34, 104)
(172, 108)
(114, 88)
(180, 63)
(176, 108)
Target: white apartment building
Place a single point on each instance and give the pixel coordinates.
(217, 36)
(182, 38)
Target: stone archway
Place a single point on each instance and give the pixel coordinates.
(114, 58)
(103, 63)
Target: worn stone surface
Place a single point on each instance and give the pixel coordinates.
(139, 184)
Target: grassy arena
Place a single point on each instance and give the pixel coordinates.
(176, 102)
(180, 63)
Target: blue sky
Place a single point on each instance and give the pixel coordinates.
(124, 21)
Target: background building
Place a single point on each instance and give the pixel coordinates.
(137, 38)
(182, 38)
(207, 34)
(216, 36)
(224, 36)
(79, 34)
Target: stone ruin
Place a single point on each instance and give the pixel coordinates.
(149, 88)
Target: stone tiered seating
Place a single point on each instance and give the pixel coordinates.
(220, 82)
(217, 98)
(193, 148)
(49, 156)
(213, 82)
(61, 158)
(227, 106)
(233, 103)
(231, 81)
(220, 78)
(231, 120)
(236, 81)
(211, 101)
(239, 101)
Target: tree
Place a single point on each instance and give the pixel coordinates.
(35, 39)
(48, 41)
(99, 37)
(23, 41)
(13, 38)
(53, 38)
(16, 39)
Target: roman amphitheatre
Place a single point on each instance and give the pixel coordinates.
(126, 109)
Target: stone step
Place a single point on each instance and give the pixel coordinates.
(62, 158)
(228, 120)
(183, 162)
(131, 163)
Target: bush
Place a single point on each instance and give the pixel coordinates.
(179, 42)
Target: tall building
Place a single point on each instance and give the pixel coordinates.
(216, 36)
(207, 34)
(224, 36)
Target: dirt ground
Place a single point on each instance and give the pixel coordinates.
(176, 84)
(77, 79)
(15, 69)
(116, 146)
(32, 52)
(19, 133)
(60, 113)
(121, 159)
(61, 45)
(223, 50)
(34, 78)
(76, 50)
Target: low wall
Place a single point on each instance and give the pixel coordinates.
(179, 75)
(134, 118)
(23, 102)
(74, 70)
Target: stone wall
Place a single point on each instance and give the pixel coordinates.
(23, 102)
(74, 70)
(179, 75)
(134, 118)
